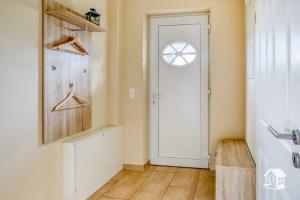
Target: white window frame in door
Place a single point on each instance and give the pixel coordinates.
(156, 21)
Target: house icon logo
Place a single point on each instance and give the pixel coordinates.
(275, 179)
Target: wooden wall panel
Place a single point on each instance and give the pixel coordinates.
(59, 70)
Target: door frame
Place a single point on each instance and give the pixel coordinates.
(151, 117)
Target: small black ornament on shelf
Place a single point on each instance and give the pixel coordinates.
(93, 16)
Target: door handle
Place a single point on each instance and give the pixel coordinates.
(296, 160)
(294, 135)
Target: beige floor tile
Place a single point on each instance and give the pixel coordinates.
(151, 167)
(134, 173)
(147, 172)
(166, 169)
(204, 194)
(119, 175)
(206, 186)
(108, 198)
(147, 196)
(186, 177)
(102, 190)
(179, 193)
(126, 187)
(158, 182)
(205, 177)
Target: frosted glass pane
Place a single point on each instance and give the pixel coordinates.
(189, 49)
(179, 46)
(169, 58)
(169, 50)
(179, 53)
(179, 61)
(189, 57)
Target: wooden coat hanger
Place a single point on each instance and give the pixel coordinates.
(82, 102)
(73, 41)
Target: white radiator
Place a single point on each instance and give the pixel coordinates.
(90, 161)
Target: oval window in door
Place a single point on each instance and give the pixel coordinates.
(179, 53)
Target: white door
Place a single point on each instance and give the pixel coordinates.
(277, 84)
(179, 91)
(250, 114)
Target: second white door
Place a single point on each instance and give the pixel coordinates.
(179, 91)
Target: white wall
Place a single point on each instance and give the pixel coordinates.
(29, 170)
(227, 69)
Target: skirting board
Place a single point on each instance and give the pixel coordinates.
(212, 162)
(142, 167)
(136, 167)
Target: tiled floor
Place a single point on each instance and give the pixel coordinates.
(159, 183)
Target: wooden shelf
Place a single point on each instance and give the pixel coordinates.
(75, 19)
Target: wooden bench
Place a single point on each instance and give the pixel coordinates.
(235, 171)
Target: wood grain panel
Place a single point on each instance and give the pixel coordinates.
(74, 18)
(59, 70)
(234, 153)
(235, 171)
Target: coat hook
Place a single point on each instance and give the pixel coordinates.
(53, 67)
(71, 85)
